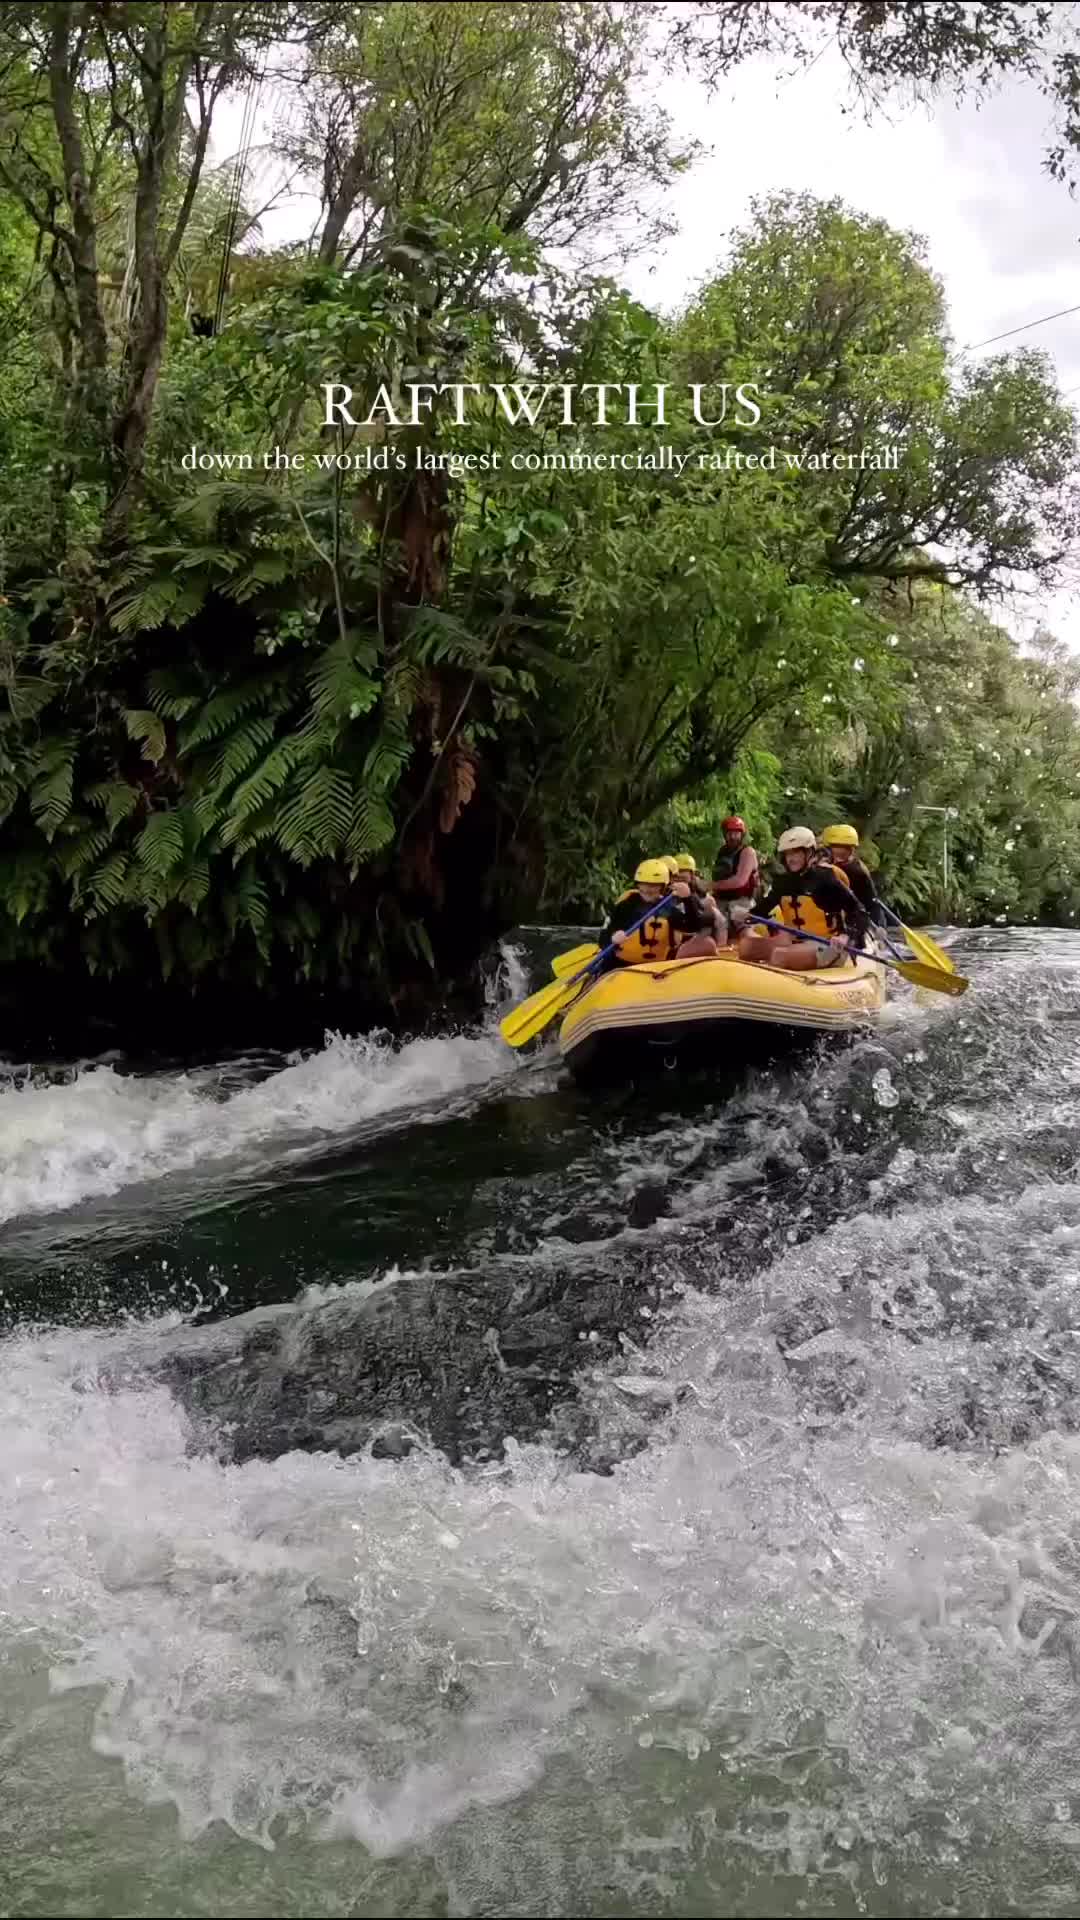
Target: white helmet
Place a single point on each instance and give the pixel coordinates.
(796, 840)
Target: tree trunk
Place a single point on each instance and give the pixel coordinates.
(82, 240)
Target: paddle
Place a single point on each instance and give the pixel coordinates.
(920, 943)
(534, 1014)
(933, 978)
(567, 963)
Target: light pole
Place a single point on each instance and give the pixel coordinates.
(947, 814)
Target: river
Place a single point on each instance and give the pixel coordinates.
(429, 1489)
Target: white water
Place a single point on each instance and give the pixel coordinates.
(62, 1143)
(815, 1646)
(385, 1647)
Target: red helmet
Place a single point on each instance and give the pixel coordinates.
(733, 824)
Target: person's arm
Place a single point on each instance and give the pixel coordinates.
(840, 900)
(862, 886)
(745, 872)
(622, 915)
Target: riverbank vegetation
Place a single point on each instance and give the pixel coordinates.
(283, 702)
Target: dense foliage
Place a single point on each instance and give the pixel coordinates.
(339, 702)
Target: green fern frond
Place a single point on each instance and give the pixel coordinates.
(440, 639)
(50, 796)
(27, 697)
(196, 884)
(243, 836)
(269, 570)
(342, 686)
(160, 845)
(401, 686)
(317, 821)
(371, 829)
(81, 851)
(147, 607)
(247, 904)
(107, 885)
(116, 799)
(384, 762)
(145, 726)
(261, 786)
(222, 712)
(237, 755)
(171, 694)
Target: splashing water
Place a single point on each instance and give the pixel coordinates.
(811, 1642)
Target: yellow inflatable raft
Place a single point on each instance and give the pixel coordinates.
(723, 1006)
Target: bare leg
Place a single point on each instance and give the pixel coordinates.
(758, 947)
(700, 946)
(799, 957)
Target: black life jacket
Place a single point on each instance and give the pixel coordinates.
(725, 865)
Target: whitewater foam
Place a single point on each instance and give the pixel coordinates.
(63, 1142)
(382, 1648)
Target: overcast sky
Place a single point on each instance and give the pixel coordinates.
(1002, 236)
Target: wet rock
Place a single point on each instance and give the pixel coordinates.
(649, 1204)
(396, 1443)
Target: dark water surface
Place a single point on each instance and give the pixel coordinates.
(428, 1489)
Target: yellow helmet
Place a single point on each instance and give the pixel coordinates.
(839, 837)
(670, 863)
(654, 873)
(685, 863)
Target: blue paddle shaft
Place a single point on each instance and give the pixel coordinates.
(860, 953)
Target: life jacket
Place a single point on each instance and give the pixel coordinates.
(798, 908)
(725, 865)
(656, 940)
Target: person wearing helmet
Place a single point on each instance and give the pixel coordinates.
(736, 872)
(806, 898)
(686, 869)
(702, 912)
(840, 848)
(661, 936)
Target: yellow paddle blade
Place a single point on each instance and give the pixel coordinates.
(534, 1014)
(935, 979)
(573, 961)
(927, 950)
